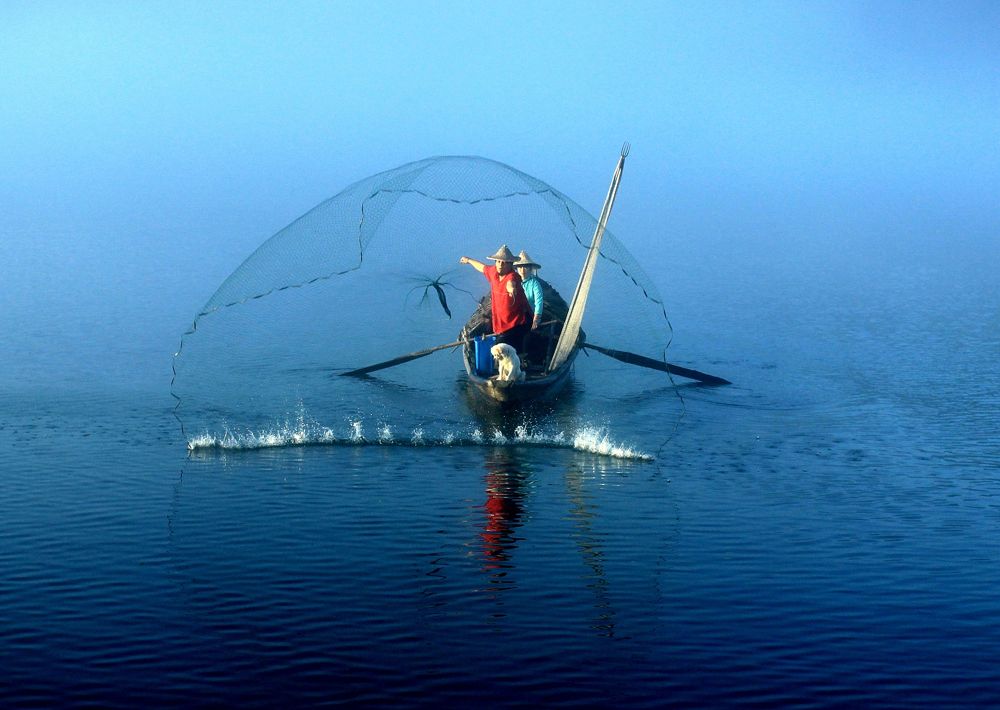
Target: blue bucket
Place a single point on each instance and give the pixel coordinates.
(485, 366)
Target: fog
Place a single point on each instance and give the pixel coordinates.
(146, 149)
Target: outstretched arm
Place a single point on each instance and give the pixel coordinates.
(477, 265)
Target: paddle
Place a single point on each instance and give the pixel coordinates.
(641, 361)
(403, 358)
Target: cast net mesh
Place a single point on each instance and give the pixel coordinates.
(373, 273)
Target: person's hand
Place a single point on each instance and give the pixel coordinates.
(535, 323)
(464, 260)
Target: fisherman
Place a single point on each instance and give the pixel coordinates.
(528, 271)
(510, 309)
(535, 344)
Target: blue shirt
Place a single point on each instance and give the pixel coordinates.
(533, 290)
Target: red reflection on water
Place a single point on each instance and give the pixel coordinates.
(503, 507)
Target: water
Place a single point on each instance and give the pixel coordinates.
(826, 531)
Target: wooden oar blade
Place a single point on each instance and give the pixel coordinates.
(696, 375)
(642, 361)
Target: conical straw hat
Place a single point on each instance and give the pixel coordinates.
(524, 260)
(503, 254)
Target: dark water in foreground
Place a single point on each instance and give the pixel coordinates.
(824, 532)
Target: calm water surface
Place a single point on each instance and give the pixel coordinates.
(824, 532)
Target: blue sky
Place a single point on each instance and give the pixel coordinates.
(151, 146)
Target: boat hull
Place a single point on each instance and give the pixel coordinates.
(528, 390)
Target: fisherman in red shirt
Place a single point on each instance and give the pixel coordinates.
(511, 312)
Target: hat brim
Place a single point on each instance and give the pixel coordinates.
(503, 254)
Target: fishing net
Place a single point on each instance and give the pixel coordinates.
(373, 273)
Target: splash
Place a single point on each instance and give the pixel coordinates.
(597, 441)
(589, 439)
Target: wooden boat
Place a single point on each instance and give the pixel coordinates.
(539, 383)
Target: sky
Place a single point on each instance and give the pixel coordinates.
(146, 148)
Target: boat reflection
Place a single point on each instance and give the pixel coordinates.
(506, 483)
(583, 513)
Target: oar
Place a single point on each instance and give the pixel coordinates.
(641, 361)
(403, 358)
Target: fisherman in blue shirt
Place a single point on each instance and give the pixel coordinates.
(534, 345)
(527, 270)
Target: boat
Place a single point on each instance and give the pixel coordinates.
(539, 382)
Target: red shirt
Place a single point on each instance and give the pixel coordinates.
(510, 305)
